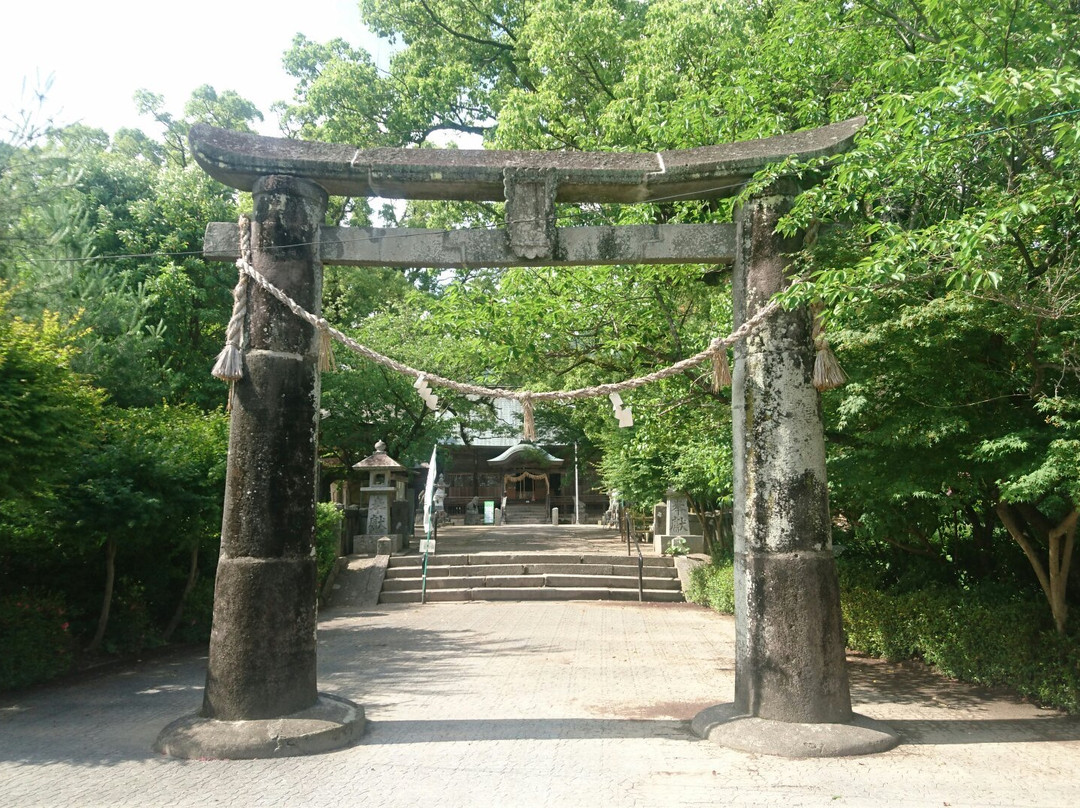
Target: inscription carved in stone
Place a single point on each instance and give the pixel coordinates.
(378, 515)
(678, 516)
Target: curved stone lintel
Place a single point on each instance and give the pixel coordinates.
(861, 736)
(240, 159)
(331, 723)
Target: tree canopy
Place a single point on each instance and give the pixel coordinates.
(942, 250)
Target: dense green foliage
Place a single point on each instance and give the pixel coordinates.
(112, 438)
(35, 637)
(713, 585)
(984, 634)
(943, 248)
(46, 410)
(327, 538)
(988, 634)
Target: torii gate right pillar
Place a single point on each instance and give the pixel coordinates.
(791, 684)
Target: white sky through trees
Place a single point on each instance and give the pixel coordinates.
(98, 54)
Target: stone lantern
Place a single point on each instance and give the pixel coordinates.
(388, 524)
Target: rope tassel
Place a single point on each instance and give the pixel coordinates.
(229, 366)
(327, 362)
(721, 373)
(828, 375)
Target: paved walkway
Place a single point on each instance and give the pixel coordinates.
(532, 704)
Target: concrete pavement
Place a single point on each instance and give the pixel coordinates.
(532, 704)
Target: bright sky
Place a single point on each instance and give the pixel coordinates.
(100, 52)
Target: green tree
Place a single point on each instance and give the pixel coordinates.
(47, 411)
(154, 475)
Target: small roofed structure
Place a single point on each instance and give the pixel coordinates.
(388, 521)
(380, 466)
(527, 481)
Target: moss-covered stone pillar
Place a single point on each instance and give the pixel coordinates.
(261, 697)
(790, 660)
(791, 684)
(262, 646)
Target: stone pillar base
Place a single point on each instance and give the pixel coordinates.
(372, 544)
(694, 543)
(861, 736)
(331, 723)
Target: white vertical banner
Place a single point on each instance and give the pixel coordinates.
(429, 494)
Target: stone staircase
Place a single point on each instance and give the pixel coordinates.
(529, 576)
(527, 514)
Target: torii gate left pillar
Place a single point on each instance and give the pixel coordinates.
(261, 698)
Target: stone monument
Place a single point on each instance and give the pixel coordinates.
(381, 536)
(675, 521)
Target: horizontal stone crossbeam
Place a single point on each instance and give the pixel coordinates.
(708, 172)
(441, 249)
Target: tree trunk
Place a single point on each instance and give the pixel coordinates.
(1061, 540)
(106, 600)
(193, 576)
(709, 534)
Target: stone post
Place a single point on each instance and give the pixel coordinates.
(659, 526)
(790, 662)
(262, 645)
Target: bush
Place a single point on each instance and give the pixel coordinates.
(986, 635)
(35, 639)
(713, 585)
(131, 628)
(327, 533)
(198, 613)
(982, 635)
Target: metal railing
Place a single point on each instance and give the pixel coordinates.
(628, 526)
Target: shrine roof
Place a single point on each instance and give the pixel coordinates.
(528, 453)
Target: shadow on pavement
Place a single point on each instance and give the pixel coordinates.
(514, 729)
(876, 681)
(937, 732)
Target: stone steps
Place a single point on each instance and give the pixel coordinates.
(484, 559)
(527, 514)
(519, 581)
(528, 576)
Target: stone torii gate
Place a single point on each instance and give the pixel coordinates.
(261, 698)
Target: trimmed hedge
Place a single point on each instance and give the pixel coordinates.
(713, 585)
(327, 532)
(985, 636)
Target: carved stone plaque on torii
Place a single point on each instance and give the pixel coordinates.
(791, 690)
